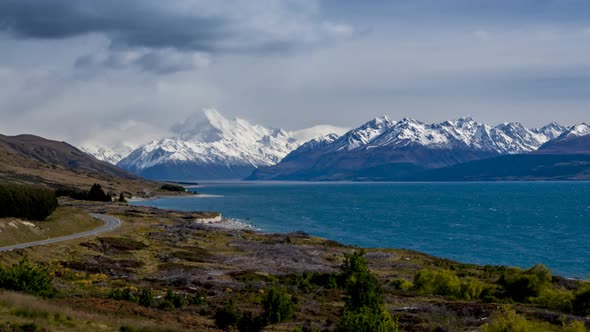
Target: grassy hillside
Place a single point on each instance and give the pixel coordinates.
(64, 221)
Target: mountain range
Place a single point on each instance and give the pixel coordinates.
(210, 146)
(383, 149)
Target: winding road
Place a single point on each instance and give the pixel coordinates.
(110, 223)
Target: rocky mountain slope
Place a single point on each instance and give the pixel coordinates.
(386, 149)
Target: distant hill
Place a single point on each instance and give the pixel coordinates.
(574, 141)
(36, 160)
(523, 167)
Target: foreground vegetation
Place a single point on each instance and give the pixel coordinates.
(161, 268)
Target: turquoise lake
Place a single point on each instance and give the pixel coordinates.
(499, 223)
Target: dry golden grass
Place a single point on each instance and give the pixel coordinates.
(58, 315)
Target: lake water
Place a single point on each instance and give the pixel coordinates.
(515, 224)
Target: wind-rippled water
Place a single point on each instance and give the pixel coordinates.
(500, 223)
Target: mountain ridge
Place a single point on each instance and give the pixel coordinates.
(209, 146)
(408, 146)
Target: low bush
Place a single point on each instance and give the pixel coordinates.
(447, 283)
(509, 320)
(176, 299)
(366, 319)
(129, 294)
(278, 305)
(146, 298)
(401, 284)
(556, 299)
(442, 282)
(581, 302)
(27, 277)
(521, 286)
(227, 317)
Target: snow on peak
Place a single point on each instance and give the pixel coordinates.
(308, 134)
(208, 138)
(581, 129)
(463, 133)
(104, 153)
(364, 134)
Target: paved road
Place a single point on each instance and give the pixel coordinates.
(110, 223)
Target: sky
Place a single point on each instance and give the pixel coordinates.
(112, 72)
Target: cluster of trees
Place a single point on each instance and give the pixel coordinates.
(173, 187)
(26, 202)
(96, 193)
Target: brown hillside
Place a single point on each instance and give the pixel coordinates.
(35, 160)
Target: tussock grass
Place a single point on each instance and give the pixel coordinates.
(20, 309)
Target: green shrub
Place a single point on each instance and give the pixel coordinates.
(26, 202)
(508, 320)
(401, 284)
(472, 289)
(362, 287)
(166, 305)
(124, 294)
(278, 305)
(444, 282)
(197, 299)
(27, 277)
(227, 317)
(146, 298)
(366, 319)
(364, 310)
(555, 299)
(176, 299)
(524, 285)
(581, 302)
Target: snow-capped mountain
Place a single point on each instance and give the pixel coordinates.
(407, 145)
(108, 154)
(464, 133)
(575, 140)
(210, 146)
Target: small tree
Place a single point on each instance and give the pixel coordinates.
(122, 198)
(364, 310)
(278, 305)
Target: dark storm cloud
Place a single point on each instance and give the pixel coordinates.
(130, 23)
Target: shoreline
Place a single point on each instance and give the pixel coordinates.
(153, 198)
